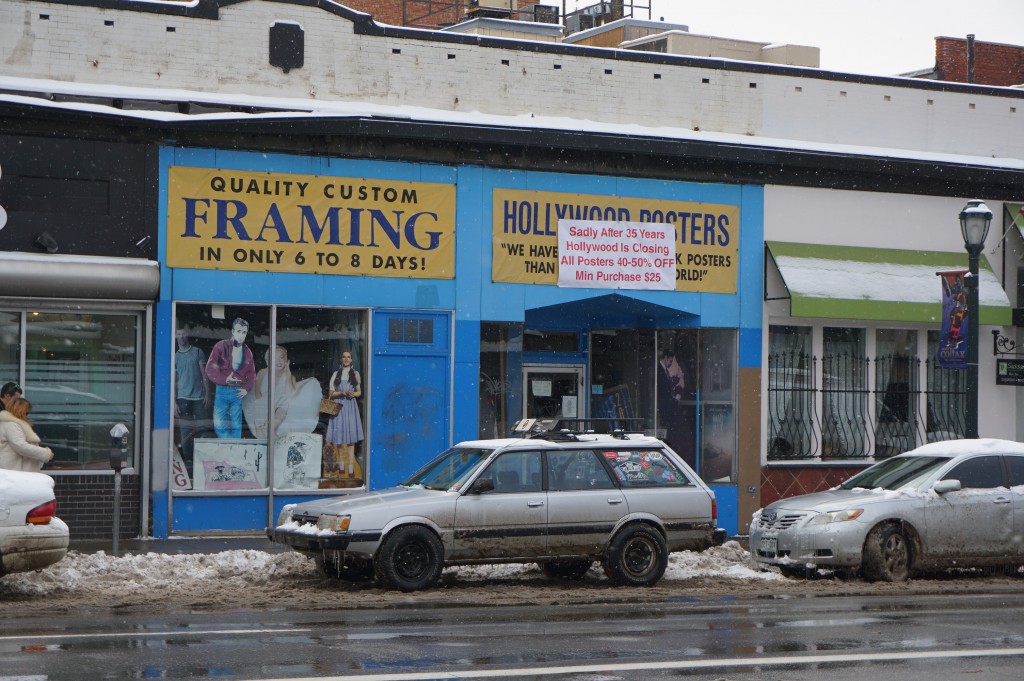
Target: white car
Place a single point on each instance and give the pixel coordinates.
(31, 534)
(558, 499)
(955, 504)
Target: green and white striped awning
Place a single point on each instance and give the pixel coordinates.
(880, 284)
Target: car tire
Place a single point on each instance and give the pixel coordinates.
(637, 556)
(887, 555)
(356, 572)
(411, 558)
(573, 570)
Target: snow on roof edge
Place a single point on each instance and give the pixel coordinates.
(305, 108)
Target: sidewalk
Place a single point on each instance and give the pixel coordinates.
(175, 545)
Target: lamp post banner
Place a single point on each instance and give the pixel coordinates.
(952, 352)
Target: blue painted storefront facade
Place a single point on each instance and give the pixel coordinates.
(450, 413)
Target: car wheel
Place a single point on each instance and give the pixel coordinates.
(411, 558)
(637, 556)
(887, 555)
(566, 569)
(351, 571)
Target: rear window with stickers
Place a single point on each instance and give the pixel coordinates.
(644, 468)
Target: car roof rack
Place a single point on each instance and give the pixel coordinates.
(567, 429)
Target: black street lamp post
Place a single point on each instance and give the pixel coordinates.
(975, 219)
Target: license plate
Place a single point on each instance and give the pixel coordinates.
(769, 546)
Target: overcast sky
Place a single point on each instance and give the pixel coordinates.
(878, 37)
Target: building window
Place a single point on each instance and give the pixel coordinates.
(791, 393)
(81, 375)
(844, 393)
(501, 368)
(248, 383)
(411, 330)
(869, 404)
(896, 392)
(696, 398)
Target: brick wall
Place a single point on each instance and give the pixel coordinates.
(790, 481)
(994, 63)
(423, 12)
(86, 504)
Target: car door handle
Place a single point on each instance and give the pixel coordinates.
(1001, 500)
(534, 504)
(615, 500)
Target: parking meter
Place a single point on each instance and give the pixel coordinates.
(118, 447)
(118, 460)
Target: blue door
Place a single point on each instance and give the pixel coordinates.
(410, 412)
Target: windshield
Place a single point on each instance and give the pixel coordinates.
(450, 469)
(896, 473)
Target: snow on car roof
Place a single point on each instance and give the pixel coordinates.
(978, 446)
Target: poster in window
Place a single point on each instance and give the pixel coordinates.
(297, 459)
(229, 464)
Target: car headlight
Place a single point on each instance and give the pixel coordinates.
(836, 516)
(333, 523)
(285, 516)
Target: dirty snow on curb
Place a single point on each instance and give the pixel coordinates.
(99, 572)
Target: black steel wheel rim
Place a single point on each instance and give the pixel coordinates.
(412, 559)
(639, 557)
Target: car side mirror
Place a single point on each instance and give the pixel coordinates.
(483, 485)
(944, 486)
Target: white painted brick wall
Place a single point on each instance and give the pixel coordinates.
(230, 55)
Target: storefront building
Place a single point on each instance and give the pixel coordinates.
(853, 326)
(419, 225)
(442, 285)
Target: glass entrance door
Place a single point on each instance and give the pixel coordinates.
(553, 391)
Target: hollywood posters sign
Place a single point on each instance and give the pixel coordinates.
(595, 241)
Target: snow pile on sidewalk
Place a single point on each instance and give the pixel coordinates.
(97, 573)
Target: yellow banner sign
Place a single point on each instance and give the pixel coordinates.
(277, 222)
(525, 235)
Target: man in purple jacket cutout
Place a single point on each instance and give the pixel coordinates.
(232, 369)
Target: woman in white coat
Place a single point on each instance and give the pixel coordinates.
(19, 444)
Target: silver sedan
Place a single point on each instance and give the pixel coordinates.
(944, 505)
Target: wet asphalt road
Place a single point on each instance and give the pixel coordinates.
(978, 637)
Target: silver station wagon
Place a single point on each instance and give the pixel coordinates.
(557, 499)
(956, 504)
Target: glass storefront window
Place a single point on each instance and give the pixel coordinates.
(10, 347)
(679, 384)
(676, 389)
(235, 395)
(501, 368)
(215, 354)
(320, 352)
(717, 371)
(622, 377)
(81, 373)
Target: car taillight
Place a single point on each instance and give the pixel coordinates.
(41, 515)
(714, 510)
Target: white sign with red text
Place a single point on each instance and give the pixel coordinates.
(629, 255)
